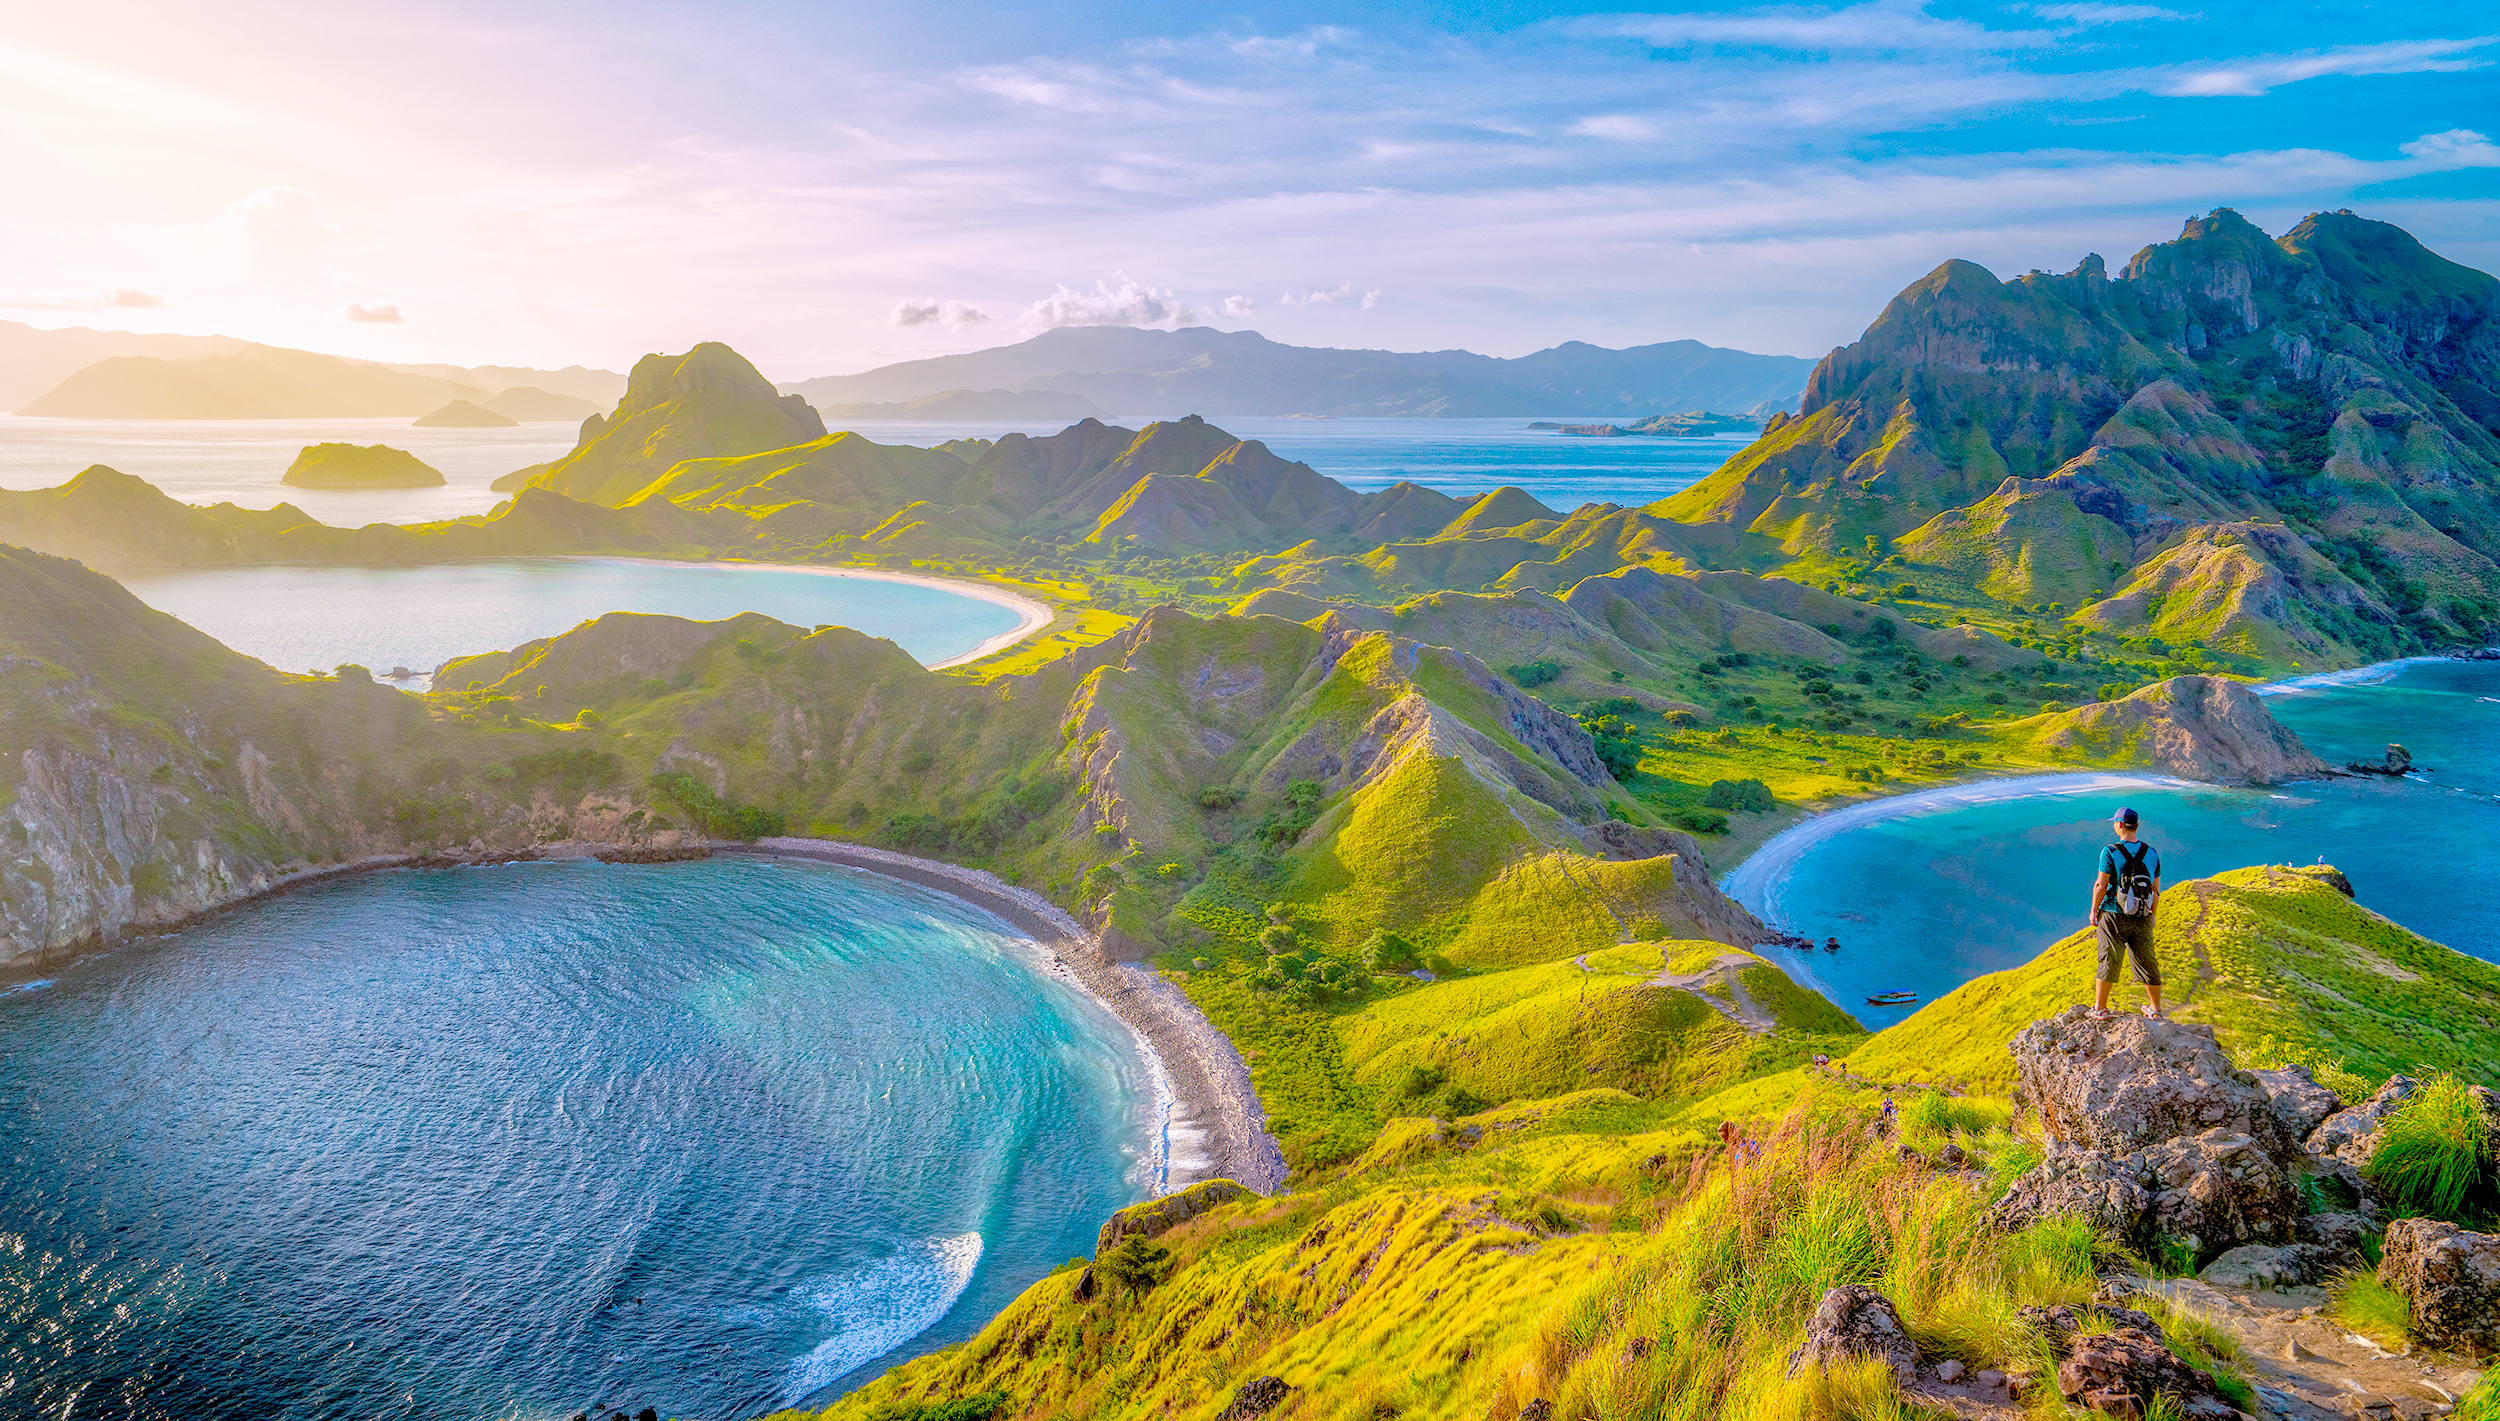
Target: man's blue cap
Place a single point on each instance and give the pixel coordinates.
(2124, 816)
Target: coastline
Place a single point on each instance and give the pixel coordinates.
(1755, 881)
(1209, 1121)
(1032, 616)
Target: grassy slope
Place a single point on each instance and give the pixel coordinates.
(1596, 1249)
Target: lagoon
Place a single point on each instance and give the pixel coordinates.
(1925, 900)
(541, 1139)
(312, 618)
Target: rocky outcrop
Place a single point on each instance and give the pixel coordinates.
(2350, 1135)
(2130, 1083)
(2452, 1278)
(1156, 1217)
(1257, 1397)
(2119, 1373)
(2155, 1136)
(2115, 1360)
(1853, 1322)
(2299, 1101)
(2196, 727)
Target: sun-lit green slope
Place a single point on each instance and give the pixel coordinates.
(2276, 960)
(1596, 1255)
(707, 403)
(1595, 538)
(2334, 387)
(2256, 589)
(854, 480)
(1660, 1020)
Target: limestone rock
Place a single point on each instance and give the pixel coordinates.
(2299, 1101)
(2059, 1325)
(2451, 1276)
(2118, 1373)
(1156, 1216)
(2350, 1134)
(2256, 1266)
(2077, 1181)
(2339, 1232)
(2217, 1189)
(1856, 1321)
(2131, 1083)
(1256, 1397)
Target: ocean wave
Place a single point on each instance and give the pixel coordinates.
(2370, 675)
(880, 1306)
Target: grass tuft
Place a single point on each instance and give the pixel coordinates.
(2433, 1152)
(2361, 1303)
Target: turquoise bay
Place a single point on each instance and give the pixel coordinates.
(303, 618)
(526, 1141)
(1929, 899)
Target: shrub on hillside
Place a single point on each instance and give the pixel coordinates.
(1699, 821)
(1218, 797)
(716, 817)
(1749, 796)
(1387, 952)
(961, 1408)
(1542, 671)
(1137, 1266)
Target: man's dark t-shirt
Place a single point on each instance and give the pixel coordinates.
(2114, 863)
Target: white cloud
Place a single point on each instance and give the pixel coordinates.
(1024, 86)
(2454, 149)
(955, 315)
(131, 300)
(1296, 46)
(1623, 128)
(1876, 25)
(383, 315)
(124, 299)
(1345, 292)
(1237, 307)
(1130, 303)
(2098, 14)
(2250, 77)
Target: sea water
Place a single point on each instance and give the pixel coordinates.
(241, 461)
(533, 1140)
(310, 618)
(1925, 901)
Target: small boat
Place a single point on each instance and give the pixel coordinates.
(1891, 999)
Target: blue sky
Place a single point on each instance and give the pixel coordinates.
(834, 187)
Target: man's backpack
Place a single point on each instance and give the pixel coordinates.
(2135, 882)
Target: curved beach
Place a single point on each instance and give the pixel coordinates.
(1757, 881)
(1208, 1120)
(1031, 616)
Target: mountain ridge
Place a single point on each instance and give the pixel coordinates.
(1218, 373)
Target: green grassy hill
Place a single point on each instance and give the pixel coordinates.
(1592, 1245)
(2278, 961)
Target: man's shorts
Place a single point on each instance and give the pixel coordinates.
(2130, 939)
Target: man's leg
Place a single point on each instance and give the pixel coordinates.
(2147, 967)
(2105, 970)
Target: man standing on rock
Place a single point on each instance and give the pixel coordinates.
(2123, 897)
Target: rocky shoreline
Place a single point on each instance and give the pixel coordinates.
(1216, 1127)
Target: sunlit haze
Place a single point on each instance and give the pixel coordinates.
(830, 188)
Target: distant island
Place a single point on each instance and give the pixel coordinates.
(975, 404)
(461, 414)
(1220, 373)
(1692, 424)
(529, 404)
(215, 378)
(360, 466)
